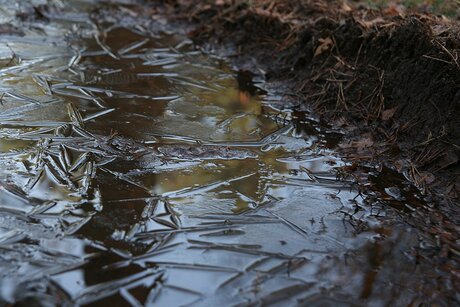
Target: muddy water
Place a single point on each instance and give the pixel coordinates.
(136, 170)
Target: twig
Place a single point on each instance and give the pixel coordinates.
(449, 53)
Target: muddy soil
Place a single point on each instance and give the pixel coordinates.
(137, 169)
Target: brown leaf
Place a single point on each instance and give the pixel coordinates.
(394, 10)
(427, 177)
(365, 142)
(388, 113)
(346, 7)
(325, 45)
(399, 164)
(370, 23)
(340, 122)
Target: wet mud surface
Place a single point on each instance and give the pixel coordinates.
(137, 170)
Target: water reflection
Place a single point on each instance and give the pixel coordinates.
(160, 176)
(150, 144)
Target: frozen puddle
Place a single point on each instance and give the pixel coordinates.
(136, 170)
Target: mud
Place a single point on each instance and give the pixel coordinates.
(138, 170)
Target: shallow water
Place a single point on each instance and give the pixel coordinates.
(137, 170)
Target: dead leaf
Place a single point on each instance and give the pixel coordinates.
(365, 142)
(325, 45)
(340, 122)
(400, 164)
(388, 113)
(426, 177)
(370, 23)
(220, 2)
(394, 10)
(346, 7)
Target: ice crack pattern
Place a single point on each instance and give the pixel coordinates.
(137, 170)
